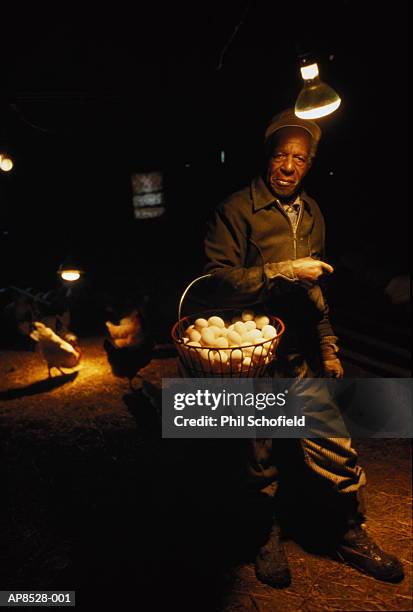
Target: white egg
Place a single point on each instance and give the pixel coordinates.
(221, 356)
(248, 338)
(234, 337)
(247, 315)
(193, 343)
(239, 327)
(246, 363)
(261, 321)
(250, 325)
(194, 335)
(207, 355)
(215, 329)
(257, 334)
(208, 337)
(222, 332)
(200, 324)
(269, 331)
(221, 342)
(257, 352)
(246, 349)
(189, 329)
(231, 327)
(216, 322)
(267, 347)
(236, 355)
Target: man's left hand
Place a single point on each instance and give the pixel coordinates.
(333, 368)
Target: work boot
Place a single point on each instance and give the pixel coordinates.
(271, 564)
(358, 549)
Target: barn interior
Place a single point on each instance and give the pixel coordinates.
(98, 502)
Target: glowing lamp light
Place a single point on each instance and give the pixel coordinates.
(70, 275)
(6, 164)
(70, 270)
(316, 99)
(309, 72)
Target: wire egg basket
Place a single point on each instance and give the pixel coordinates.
(247, 360)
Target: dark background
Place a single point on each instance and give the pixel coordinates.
(88, 98)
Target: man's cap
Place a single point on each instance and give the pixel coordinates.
(287, 118)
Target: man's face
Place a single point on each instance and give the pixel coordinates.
(289, 161)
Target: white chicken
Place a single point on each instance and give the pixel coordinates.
(57, 352)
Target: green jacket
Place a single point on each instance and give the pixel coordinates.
(249, 245)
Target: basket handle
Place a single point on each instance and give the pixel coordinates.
(183, 296)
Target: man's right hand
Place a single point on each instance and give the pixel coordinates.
(309, 269)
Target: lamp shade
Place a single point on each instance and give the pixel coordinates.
(70, 270)
(316, 99)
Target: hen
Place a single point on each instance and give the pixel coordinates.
(131, 346)
(57, 352)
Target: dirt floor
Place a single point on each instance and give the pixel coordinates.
(97, 502)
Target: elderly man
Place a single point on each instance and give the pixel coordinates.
(265, 245)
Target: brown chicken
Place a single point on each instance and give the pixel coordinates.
(130, 347)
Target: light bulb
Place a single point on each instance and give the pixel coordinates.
(309, 72)
(6, 164)
(70, 275)
(316, 99)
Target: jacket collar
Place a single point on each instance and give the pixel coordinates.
(262, 196)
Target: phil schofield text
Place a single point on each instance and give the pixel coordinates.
(239, 421)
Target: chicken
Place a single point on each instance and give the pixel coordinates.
(131, 346)
(128, 332)
(62, 329)
(57, 352)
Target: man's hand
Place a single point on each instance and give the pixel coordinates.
(333, 368)
(331, 363)
(309, 270)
